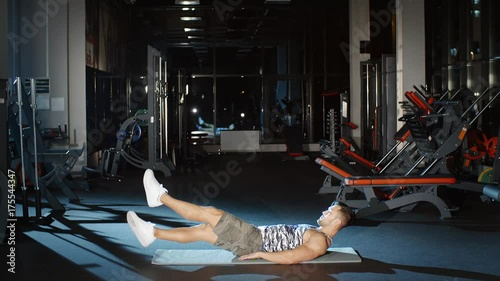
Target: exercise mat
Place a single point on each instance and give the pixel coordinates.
(222, 257)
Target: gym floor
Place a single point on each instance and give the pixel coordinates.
(92, 241)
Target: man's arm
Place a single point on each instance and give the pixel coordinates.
(315, 247)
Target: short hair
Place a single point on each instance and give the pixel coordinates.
(346, 212)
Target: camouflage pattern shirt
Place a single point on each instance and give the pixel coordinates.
(281, 237)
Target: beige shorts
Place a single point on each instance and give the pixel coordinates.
(237, 236)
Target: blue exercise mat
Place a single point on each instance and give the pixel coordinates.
(222, 257)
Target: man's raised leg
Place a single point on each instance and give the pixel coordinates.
(147, 233)
(189, 211)
(202, 232)
(157, 195)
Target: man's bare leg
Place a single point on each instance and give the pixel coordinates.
(157, 195)
(189, 211)
(147, 232)
(202, 232)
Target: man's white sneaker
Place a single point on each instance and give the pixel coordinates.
(143, 230)
(154, 190)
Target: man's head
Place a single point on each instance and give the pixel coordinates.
(338, 213)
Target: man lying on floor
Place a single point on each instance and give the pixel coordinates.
(283, 244)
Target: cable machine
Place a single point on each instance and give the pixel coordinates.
(157, 156)
(379, 106)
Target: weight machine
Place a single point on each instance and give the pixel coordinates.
(437, 129)
(31, 154)
(378, 105)
(393, 162)
(336, 123)
(156, 118)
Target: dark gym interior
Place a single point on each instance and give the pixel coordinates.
(268, 109)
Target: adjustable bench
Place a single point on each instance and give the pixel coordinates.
(422, 189)
(333, 170)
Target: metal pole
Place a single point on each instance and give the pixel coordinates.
(325, 82)
(38, 205)
(415, 165)
(214, 90)
(324, 117)
(403, 149)
(429, 167)
(388, 153)
(165, 107)
(23, 172)
(475, 102)
(484, 108)
(160, 115)
(180, 105)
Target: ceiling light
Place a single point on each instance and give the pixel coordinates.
(195, 37)
(190, 18)
(190, 29)
(187, 2)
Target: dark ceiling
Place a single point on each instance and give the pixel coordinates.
(223, 22)
(237, 31)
